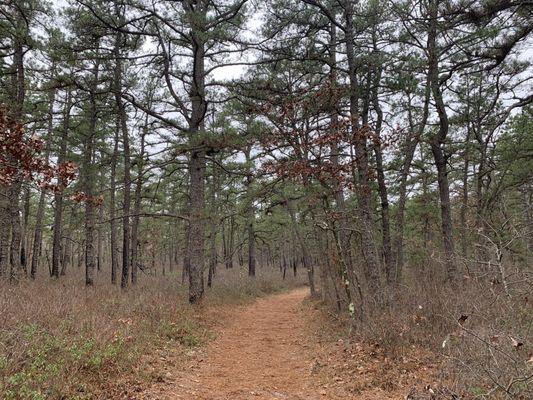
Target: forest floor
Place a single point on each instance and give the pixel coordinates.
(278, 347)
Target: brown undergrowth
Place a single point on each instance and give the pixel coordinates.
(470, 340)
(60, 340)
(366, 366)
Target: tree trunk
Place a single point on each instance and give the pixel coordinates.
(37, 235)
(382, 186)
(13, 192)
(88, 180)
(24, 239)
(344, 271)
(58, 196)
(100, 230)
(16, 268)
(196, 226)
(213, 231)
(464, 197)
(112, 206)
(410, 148)
(137, 203)
(4, 230)
(303, 247)
(438, 142)
(67, 257)
(186, 256)
(121, 111)
(250, 217)
(197, 162)
(228, 238)
(361, 159)
(251, 247)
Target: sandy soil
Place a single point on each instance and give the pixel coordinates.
(261, 351)
(269, 350)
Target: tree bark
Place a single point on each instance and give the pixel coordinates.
(197, 161)
(67, 257)
(13, 192)
(382, 185)
(196, 226)
(121, 111)
(464, 197)
(58, 196)
(228, 236)
(137, 202)
(303, 247)
(410, 148)
(37, 235)
(361, 158)
(100, 230)
(24, 235)
(250, 217)
(438, 143)
(213, 231)
(4, 231)
(88, 179)
(112, 206)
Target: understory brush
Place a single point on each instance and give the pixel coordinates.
(235, 286)
(479, 332)
(59, 339)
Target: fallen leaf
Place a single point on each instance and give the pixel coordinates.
(516, 343)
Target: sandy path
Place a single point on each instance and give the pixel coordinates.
(268, 350)
(261, 353)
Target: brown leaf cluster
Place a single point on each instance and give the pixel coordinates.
(21, 158)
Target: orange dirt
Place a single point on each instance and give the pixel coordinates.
(262, 354)
(263, 351)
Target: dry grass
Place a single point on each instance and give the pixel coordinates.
(61, 340)
(354, 360)
(480, 336)
(235, 286)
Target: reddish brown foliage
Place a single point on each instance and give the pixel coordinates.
(20, 158)
(81, 197)
(304, 137)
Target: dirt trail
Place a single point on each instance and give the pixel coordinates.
(271, 350)
(262, 352)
